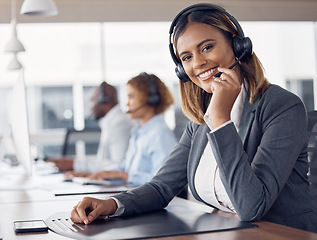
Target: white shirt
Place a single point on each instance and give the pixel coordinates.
(114, 139)
(207, 180)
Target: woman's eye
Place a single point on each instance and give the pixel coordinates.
(206, 48)
(186, 58)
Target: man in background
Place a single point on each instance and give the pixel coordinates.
(115, 133)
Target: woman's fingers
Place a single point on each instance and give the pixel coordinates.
(229, 75)
(79, 212)
(225, 88)
(74, 216)
(90, 209)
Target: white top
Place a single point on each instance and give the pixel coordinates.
(114, 139)
(207, 180)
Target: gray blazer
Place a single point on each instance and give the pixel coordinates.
(263, 166)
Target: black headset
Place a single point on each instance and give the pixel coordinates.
(154, 97)
(242, 46)
(103, 99)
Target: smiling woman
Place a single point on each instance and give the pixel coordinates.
(242, 135)
(51, 79)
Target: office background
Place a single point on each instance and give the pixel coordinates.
(89, 41)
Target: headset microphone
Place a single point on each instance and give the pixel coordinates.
(136, 109)
(235, 63)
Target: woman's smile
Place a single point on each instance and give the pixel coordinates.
(207, 74)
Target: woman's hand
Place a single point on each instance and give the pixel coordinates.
(109, 175)
(90, 209)
(226, 89)
(62, 163)
(71, 174)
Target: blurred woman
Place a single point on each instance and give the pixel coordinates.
(152, 140)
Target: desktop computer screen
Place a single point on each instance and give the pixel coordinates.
(18, 123)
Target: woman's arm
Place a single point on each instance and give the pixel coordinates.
(168, 182)
(156, 194)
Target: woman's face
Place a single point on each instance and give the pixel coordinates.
(136, 102)
(202, 49)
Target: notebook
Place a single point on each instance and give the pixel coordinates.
(102, 182)
(89, 190)
(81, 185)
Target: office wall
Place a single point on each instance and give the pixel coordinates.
(165, 10)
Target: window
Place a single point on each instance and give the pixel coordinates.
(63, 62)
(304, 88)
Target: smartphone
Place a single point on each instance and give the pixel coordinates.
(30, 226)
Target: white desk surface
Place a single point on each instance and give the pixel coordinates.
(26, 198)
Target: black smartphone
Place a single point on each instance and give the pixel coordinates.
(30, 226)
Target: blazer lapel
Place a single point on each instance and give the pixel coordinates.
(198, 146)
(247, 118)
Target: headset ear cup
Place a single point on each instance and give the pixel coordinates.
(242, 46)
(181, 74)
(248, 46)
(153, 99)
(237, 43)
(103, 99)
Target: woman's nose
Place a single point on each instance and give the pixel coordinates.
(199, 61)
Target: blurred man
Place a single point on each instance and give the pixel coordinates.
(115, 134)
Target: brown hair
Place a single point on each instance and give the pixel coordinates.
(194, 99)
(140, 82)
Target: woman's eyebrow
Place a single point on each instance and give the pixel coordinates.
(207, 40)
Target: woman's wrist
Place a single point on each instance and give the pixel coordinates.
(217, 122)
(111, 205)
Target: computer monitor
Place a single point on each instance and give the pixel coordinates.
(18, 123)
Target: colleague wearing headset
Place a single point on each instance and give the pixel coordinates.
(115, 134)
(152, 140)
(247, 137)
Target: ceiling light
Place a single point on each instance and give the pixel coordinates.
(14, 64)
(39, 8)
(14, 44)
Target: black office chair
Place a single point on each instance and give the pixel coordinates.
(89, 136)
(312, 154)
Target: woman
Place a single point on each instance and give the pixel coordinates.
(248, 137)
(152, 141)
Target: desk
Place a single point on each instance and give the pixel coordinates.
(46, 204)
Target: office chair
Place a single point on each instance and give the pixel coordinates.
(312, 154)
(88, 139)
